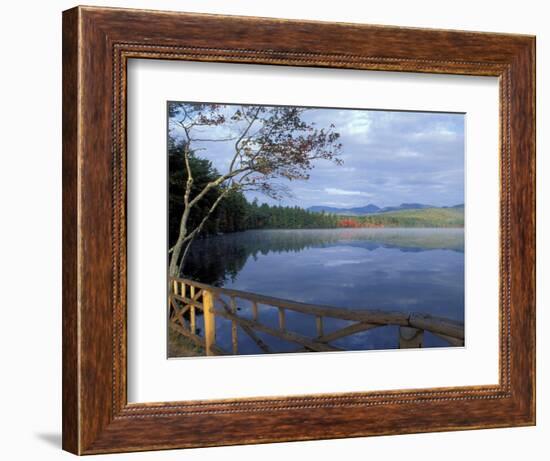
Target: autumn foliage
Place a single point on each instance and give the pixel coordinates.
(355, 223)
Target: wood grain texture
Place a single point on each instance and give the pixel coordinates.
(70, 383)
(97, 42)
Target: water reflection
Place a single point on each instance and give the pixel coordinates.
(419, 270)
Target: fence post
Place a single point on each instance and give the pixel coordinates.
(410, 338)
(192, 317)
(282, 320)
(209, 321)
(319, 324)
(234, 339)
(254, 310)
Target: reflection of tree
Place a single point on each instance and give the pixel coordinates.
(216, 259)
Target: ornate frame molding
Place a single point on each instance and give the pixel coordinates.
(97, 43)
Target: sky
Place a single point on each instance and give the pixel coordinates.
(389, 158)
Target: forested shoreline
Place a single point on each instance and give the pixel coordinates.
(235, 214)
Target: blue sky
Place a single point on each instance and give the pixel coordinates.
(388, 158)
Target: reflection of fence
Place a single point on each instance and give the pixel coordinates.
(188, 296)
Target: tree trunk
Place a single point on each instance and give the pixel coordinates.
(176, 249)
(185, 238)
(176, 252)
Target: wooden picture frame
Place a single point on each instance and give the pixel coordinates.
(97, 43)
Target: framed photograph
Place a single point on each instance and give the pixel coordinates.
(282, 230)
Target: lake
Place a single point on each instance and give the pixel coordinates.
(409, 270)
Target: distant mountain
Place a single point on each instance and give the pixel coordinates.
(367, 209)
(407, 206)
(372, 209)
(326, 209)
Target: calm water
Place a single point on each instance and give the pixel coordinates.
(420, 270)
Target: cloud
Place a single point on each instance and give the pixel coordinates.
(358, 123)
(438, 132)
(336, 191)
(407, 153)
(389, 157)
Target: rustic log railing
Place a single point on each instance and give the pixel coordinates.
(187, 296)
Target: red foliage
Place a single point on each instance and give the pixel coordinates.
(348, 222)
(354, 223)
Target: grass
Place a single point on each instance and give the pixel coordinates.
(426, 217)
(180, 346)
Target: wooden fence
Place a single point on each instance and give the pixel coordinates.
(187, 298)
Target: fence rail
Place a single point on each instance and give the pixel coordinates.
(187, 297)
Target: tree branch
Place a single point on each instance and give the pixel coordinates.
(242, 136)
(212, 140)
(189, 182)
(215, 183)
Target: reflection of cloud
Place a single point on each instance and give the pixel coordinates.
(345, 262)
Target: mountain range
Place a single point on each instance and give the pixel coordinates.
(373, 209)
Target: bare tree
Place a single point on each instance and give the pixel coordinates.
(267, 143)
